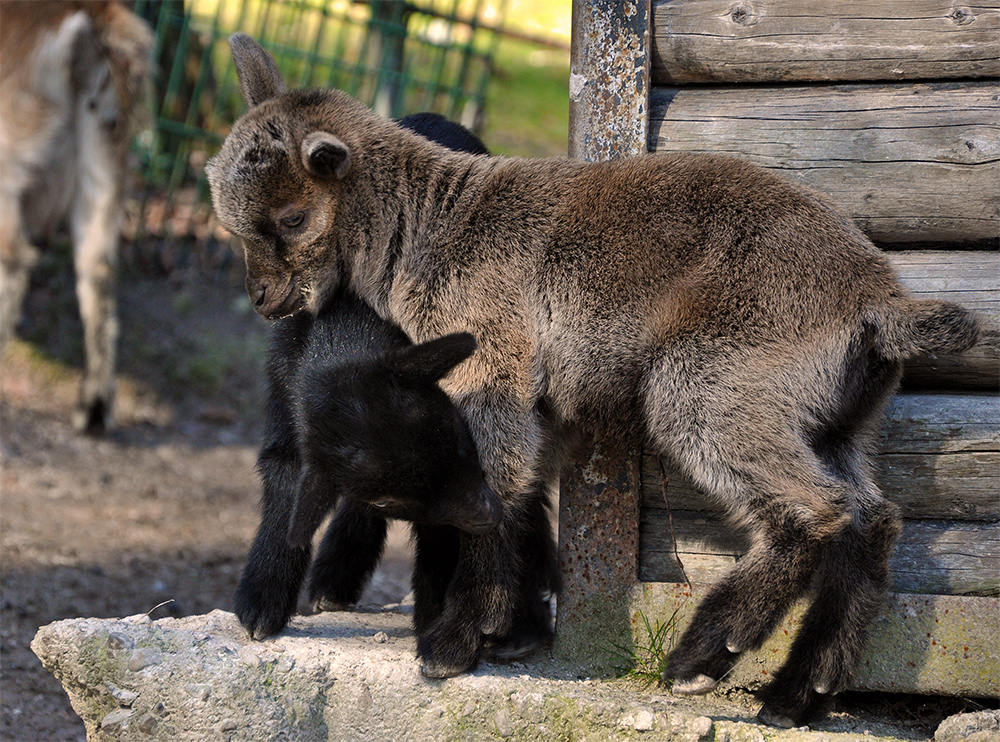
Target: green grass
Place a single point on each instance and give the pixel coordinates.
(643, 661)
(527, 102)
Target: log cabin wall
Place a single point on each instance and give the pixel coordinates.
(892, 109)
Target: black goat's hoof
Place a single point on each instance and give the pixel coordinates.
(771, 716)
(695, 686)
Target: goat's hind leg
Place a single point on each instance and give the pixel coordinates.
(743, 609)
(734, 447)
(852, 585)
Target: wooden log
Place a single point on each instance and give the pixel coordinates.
(972, 279)
(910, 163)
(932, 557)
(939, 460)
(759, 41)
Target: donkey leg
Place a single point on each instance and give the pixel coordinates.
(17, 258)
(96, 226)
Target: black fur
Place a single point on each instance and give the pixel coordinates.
(354, 414)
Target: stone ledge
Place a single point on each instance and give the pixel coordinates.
(353, 676)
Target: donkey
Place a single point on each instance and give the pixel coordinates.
(72, 76)
(728, 318)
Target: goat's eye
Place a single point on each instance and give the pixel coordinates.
(291, 221)
(381, 504)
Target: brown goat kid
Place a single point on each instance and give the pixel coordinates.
(729, 318)
(72, 76)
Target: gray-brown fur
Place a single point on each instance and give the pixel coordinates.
(72, 76)
(729, 318)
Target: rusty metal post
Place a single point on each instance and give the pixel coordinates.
(599, 494)
(609, 79)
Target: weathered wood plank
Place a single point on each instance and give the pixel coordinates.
(757, 41)
(972, 279)
(940, 460)
(910, 163)
(930, 644)
(932, 557)
(925, 423)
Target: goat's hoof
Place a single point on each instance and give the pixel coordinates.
(774, 718)
(514, 648)
(694, 686)
(441, 670)
(323, 605)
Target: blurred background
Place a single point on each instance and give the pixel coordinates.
(157, 514)
(499, 67)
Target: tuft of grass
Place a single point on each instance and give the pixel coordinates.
(643, 661)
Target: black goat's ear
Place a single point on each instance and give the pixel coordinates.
(260, 79)
(435, 358)
(324, 156)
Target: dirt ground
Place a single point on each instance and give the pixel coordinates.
(162, 508)
(157, 515)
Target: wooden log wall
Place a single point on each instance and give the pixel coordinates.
(913, 163)
(891, 109)
(939, 461)
(768, 41)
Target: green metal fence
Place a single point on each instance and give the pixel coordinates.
(398, 57)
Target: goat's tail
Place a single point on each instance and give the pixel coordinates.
(911, 327)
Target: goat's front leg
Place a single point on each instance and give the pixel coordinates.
(483, 595)
(481, 599)
(347, 557)
(269, 587)
(268, 592)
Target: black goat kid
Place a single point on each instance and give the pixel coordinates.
(355, 414)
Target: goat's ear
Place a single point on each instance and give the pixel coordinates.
(259, 76)
(432, 360)
(324, 156)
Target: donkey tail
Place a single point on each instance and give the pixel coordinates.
(912, 327)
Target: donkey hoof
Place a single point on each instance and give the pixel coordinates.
(822, 688)
(774, 718)
(733, 647)
(92, 418)
(694, 686)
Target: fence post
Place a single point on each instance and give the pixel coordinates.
(599, 493)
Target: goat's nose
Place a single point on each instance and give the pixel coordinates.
(257, 290)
